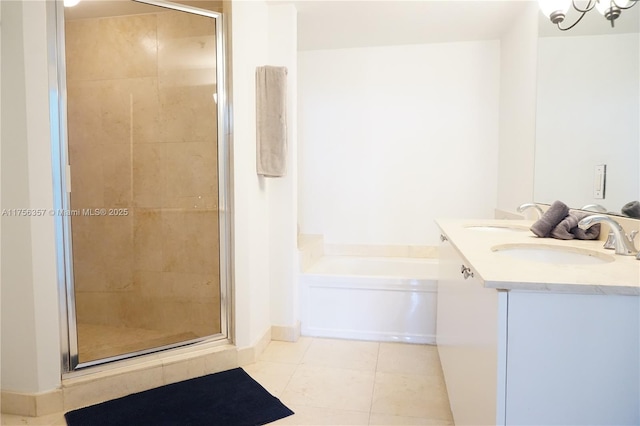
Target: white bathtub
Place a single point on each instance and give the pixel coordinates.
(370, 298)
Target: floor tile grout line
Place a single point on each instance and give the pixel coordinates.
(373, 388)
(295, 370)
(307, 349)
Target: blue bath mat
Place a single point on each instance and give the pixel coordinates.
(229, 398)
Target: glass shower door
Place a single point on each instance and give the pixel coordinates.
(146, 178)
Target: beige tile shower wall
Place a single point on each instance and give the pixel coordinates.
(142, 136)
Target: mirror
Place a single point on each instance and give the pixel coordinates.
(588, 115)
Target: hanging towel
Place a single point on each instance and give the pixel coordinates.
(271, 121)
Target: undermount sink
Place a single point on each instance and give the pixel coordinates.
(553, 254)
(497, 228)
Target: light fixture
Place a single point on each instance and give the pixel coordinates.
(556, 10)
(71, 3)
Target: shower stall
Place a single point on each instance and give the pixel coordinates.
(142, 172)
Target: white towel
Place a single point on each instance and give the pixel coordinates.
(271, 121)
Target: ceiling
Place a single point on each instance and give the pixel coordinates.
(360, 23)
(335, 24)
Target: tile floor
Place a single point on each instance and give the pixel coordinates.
(342, 382)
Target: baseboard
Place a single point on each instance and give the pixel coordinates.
(286, 333)
(424, 339)
(33, 405)
(251, 354)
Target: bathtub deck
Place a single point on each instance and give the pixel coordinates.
(404, 267)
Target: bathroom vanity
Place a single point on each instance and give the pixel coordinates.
(536, 331)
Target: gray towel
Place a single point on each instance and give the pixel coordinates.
(568, 229)
(632, 209)
(550, 219)
(271, 121)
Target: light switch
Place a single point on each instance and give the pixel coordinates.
(600, 181)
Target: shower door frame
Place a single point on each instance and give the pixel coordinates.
(61, 186)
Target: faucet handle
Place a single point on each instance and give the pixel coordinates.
(610, 244)
(632, 235)
(630, 238)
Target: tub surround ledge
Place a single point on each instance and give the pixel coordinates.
(381, 250)
(286, 333)
(310, 248)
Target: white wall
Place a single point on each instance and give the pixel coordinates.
(0, 194)
(391, 138)
(30, 319)
(586, 118)
(251, 209)
(518, 64)
(283, 195)
(264, 208)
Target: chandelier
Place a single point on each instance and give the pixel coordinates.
(556, 10)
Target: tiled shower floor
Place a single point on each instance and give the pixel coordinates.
(102, 341)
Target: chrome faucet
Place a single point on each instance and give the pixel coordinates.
(622, 242)
(534, 206)
(595, 208)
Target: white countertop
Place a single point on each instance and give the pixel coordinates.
(497, 270)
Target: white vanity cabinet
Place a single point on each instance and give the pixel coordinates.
(516, 356)
(573, 359)
(470, 321)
